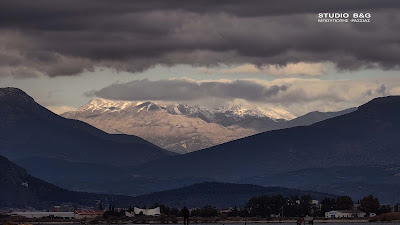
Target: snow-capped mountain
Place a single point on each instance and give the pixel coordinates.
(225, 115)
(177, 127)
(161, 125)
(184, 128)
(230, 115)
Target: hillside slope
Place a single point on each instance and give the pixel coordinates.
(18, 189)
(30, 130)
(355, 181)
(221, 195)
(368, 136)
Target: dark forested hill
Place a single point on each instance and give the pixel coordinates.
(355, 181)
(314, 117)
(29, 130)
(19, 189)
(220, 195)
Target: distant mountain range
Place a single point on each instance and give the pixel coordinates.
(343, 152)
(183, 128)
(365, 137)
(165, 127)
(30, 130)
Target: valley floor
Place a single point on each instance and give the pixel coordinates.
(193, 220)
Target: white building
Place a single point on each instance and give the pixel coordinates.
(344, 214)
(129, 214)
(147, 212)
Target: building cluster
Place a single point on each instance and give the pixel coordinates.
(76, 214)
(146, 212)
(355, 213)
(66, 212)
(347, 214)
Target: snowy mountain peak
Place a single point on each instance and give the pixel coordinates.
(182, 127)
(220, 115)
(276, 113)
(273, 113)
(149, 106)
(105, 105)
(238, 110)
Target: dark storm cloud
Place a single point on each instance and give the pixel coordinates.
(68, 37)
(184, 89)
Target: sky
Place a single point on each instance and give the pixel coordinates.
(210, 53)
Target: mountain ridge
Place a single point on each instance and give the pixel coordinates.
(164, 126)
(184, 128)
(367, 136)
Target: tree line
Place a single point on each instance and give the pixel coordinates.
(268, 206)
(294, 206)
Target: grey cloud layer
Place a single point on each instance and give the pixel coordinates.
(68, 37)
(184, 89)
(297, 95)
